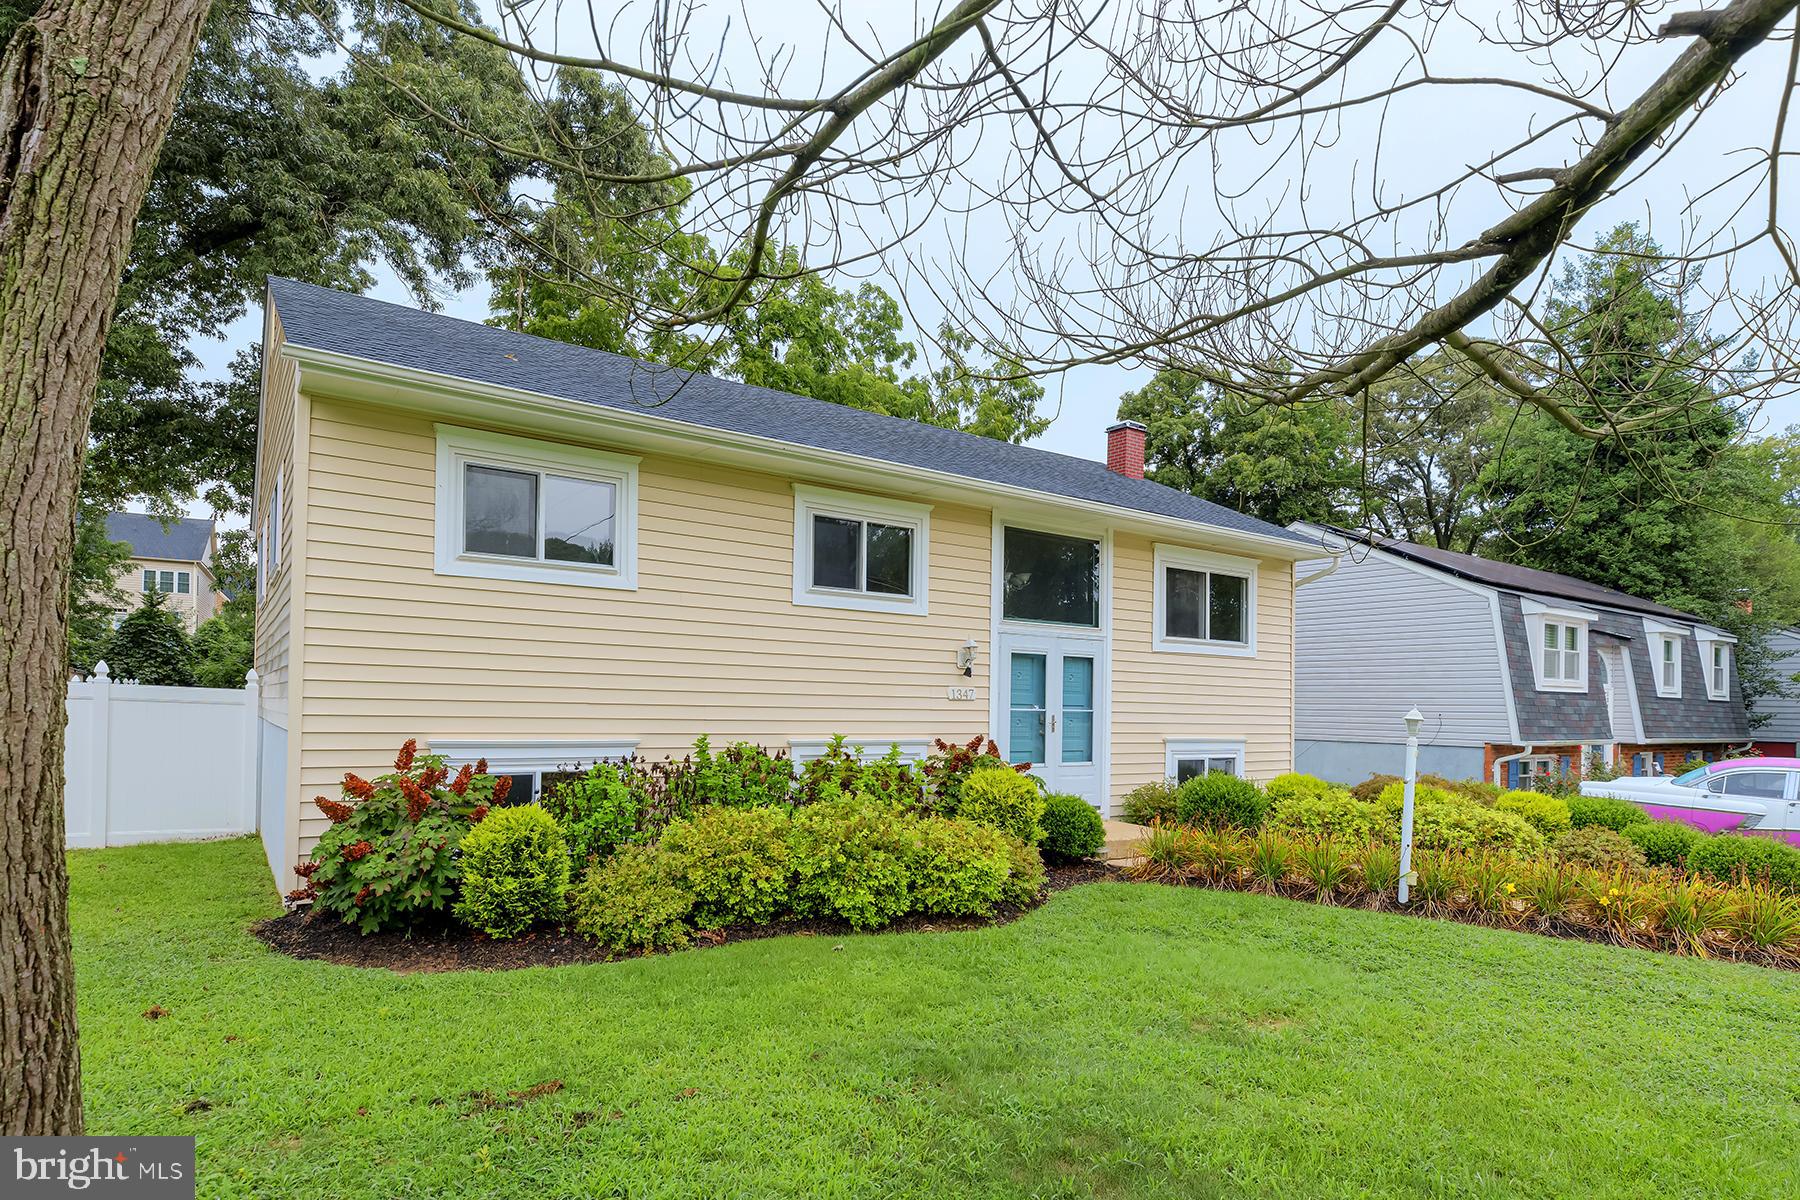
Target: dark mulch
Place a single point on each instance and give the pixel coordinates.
(305, 934)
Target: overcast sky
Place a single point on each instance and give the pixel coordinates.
(1420, 141)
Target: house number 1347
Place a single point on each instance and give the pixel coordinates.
(962, 693)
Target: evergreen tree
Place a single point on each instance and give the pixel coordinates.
(150, 646)
(223, 648)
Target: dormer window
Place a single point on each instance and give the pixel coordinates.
(1559, 637)
(1715, 661)
(1663, 643)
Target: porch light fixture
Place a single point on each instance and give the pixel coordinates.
(1413, 720)
(965, 657)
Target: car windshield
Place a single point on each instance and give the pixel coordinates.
(1692, 778)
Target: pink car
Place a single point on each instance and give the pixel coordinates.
(1744, 795)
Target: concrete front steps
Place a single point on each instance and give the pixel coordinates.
(1122, 842)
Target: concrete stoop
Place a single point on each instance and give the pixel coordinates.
(1122, 842)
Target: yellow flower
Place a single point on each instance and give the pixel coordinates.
(1605, 900)
(1612, 891)
(1510, 889)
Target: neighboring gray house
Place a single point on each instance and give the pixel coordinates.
(1517, 671)
(1780, 734)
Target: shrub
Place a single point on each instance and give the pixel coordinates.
(1730, 857)
(1220, 798)
(1149, 803)
(1549, 815)
(1393, 796)
(742, 776)
(1294, 786)
(1003, 799)
(598, 810)
(1372, 787)
(1469, 789)
(633, 901)
(1607, 811)
(515, 872)
(389, 859)
(1335, 814)
(734, 861)
(1025, 878)
(151, 646)
(840, 773)
(957, 868)
(1072, 828)
(1664, 843)
(1598, 846)
(1463, 825)
(850, 860)
(949, 765)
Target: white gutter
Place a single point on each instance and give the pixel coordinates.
(353, 368)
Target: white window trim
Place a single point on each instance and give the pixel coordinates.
(1175, 749)
(275, 526)
(812, 501)
(1706, 640)
(1537, 616)
(457, 446)
(522, 758)
(1660, 634)
(1210, 562)
(912, 750)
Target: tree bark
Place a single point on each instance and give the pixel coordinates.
(87, 90)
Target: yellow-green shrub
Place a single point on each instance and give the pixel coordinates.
(734, 861)
(957, 868)
(515, 871)
(1335, 813)
(1003, 799)
(1294, 786)
(1025, 877)
(634, 901)
(1547, 814)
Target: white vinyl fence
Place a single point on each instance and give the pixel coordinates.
(154, 764)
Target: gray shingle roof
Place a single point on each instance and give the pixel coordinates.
(322, 319)
(183, 540)
(1512, 578)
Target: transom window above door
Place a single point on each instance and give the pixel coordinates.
(1205, 602)
(513, 508)
(1049, 577)
(860, 552)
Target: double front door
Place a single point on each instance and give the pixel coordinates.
(1051, 713)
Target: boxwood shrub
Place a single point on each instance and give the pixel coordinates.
(1073, 830)
(1003, 799)
(515, 872)
(1218, 798)
(1665, 843)
(735, 862)
(1610, 811)
(1549, 815)
(1732, 855)
(634, 901)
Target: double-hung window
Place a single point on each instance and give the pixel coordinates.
(513, 508)
(1562, 652)
(1205, 602)
(1664, 641)
(860, 552)
(1715, 661)
(1558, 638)
(170, 583)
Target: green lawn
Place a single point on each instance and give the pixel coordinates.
(1122, 1041)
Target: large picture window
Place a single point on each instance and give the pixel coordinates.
(1051, 578)
(510, 508)
(1205, 602)
(861, 552)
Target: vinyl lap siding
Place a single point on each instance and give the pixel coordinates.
(1783, 711)
(1160, 695)
(710, 642)
(1376, 638)
(276, 454)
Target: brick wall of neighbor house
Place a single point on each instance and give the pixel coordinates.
(1160, 695)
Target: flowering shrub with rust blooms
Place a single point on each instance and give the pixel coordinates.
(390, 859)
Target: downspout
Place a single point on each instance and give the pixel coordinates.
(1499, 763)
(1320, 574)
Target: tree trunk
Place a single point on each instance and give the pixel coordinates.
(87, 89)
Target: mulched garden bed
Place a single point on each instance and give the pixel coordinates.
(301, 934)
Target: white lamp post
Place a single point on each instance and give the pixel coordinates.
(1414, 720)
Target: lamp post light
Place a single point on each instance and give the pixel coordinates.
(1414, 720)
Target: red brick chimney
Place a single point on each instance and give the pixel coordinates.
(1125, 449)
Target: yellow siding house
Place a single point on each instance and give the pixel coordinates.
(540, 554)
